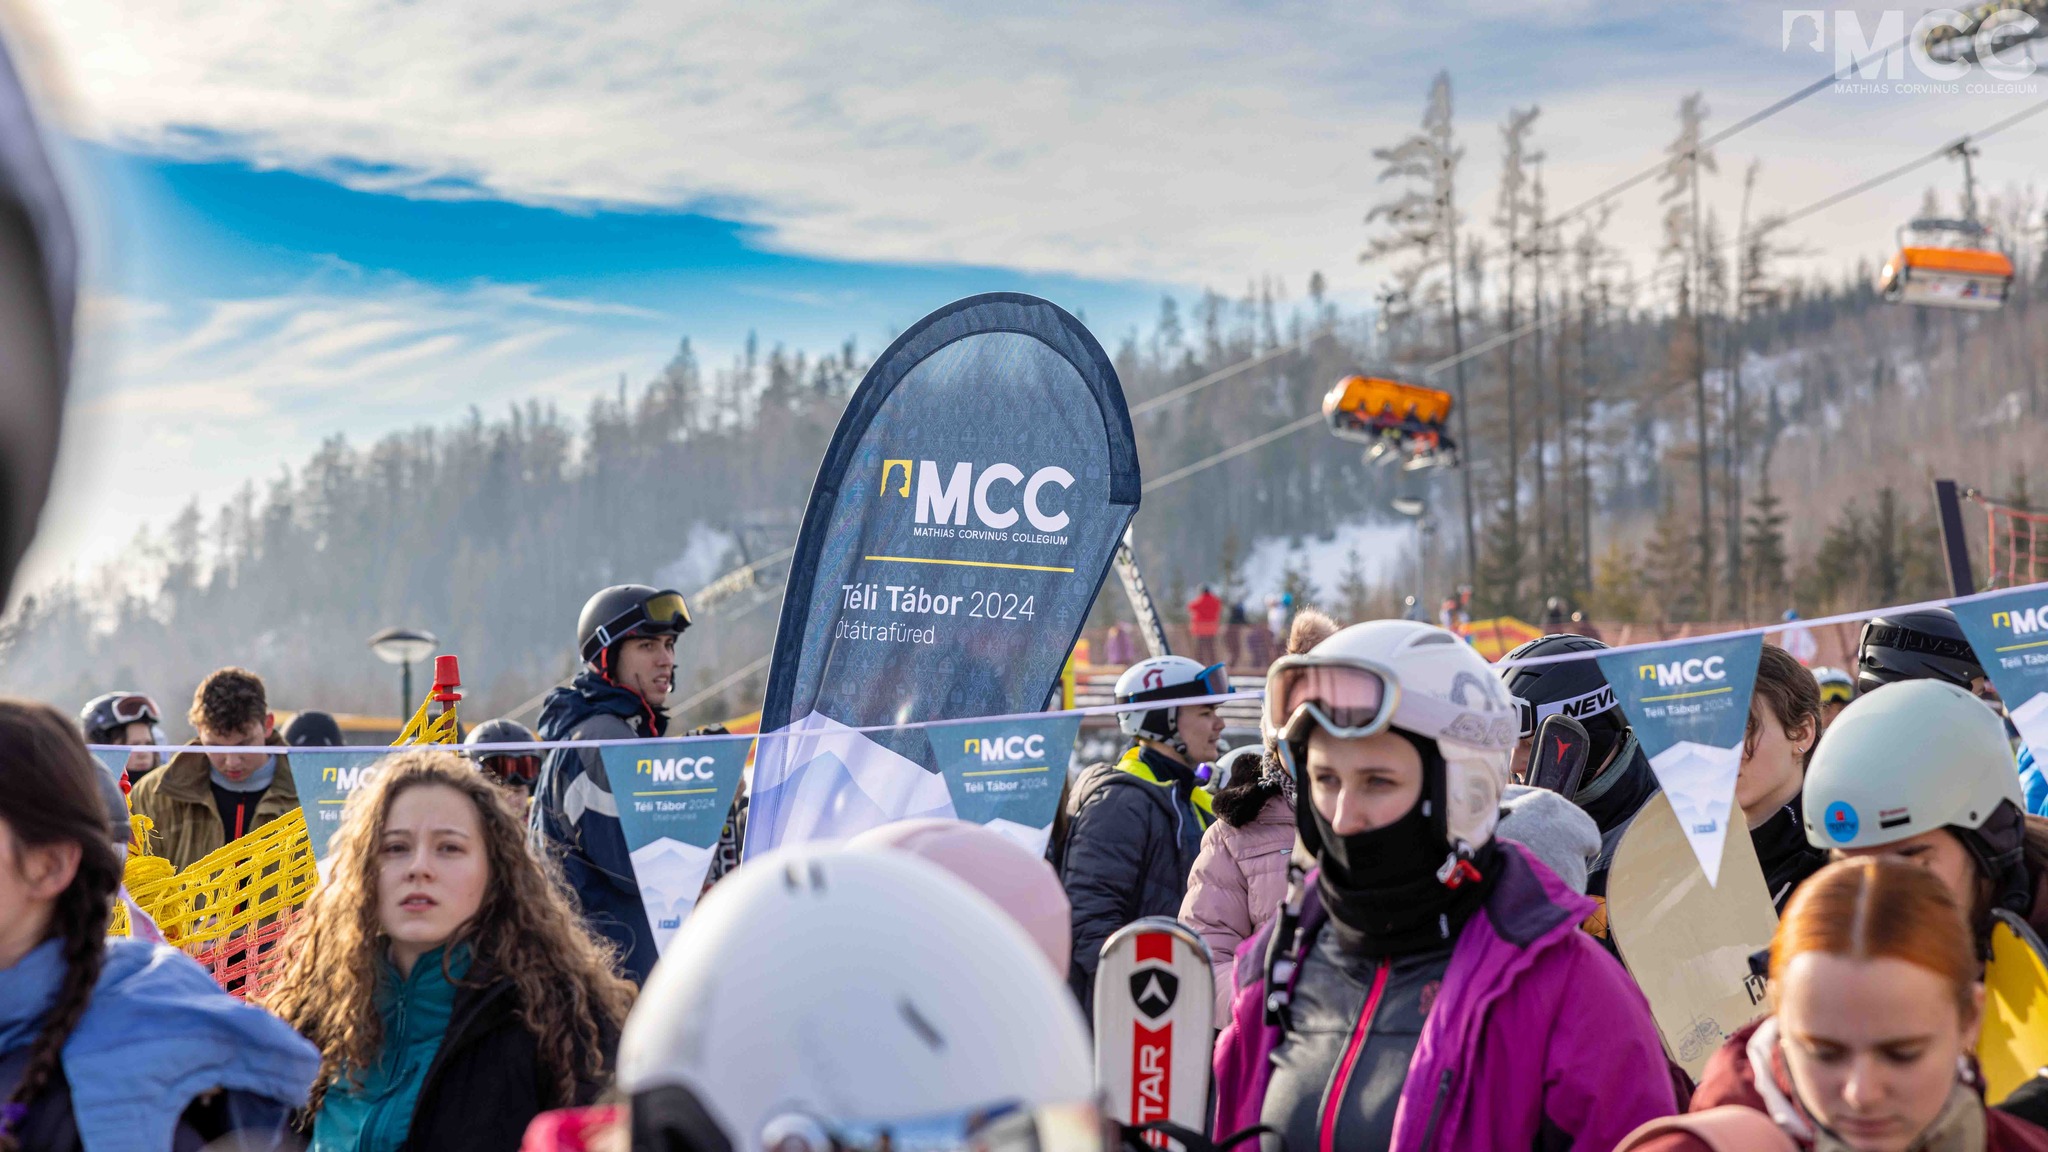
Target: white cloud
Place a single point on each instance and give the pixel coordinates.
(1183, 143)
(176, 402)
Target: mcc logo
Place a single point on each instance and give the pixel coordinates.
(1683, 673)
(1004, 749)
(677, 770)
(947, 499)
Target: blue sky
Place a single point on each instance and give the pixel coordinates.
(359, 215)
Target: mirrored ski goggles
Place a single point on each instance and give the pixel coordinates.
(1010, 1127)
(1349, 699)
(519, 768)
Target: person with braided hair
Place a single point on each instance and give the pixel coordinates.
(111, 1044)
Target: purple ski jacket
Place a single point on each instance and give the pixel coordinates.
(1537, 1040)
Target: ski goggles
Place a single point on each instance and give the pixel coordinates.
(1001, 1128)
(131, 708)
(1351, 697)
(1834, 693)
(517, 768)
(662, 614)
(1211, 681)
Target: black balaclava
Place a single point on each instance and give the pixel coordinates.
(1614, 796)
(1383, 885)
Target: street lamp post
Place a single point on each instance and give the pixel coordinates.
(404, 647)
(1416, 509)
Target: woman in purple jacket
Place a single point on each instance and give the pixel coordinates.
(1427, 987)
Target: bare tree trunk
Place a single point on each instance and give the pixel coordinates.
(1540, 505)
(1564, 438)
(1514, 546)
(1699, 345)
(1458, 368)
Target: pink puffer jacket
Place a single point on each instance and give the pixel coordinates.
(1237, 884)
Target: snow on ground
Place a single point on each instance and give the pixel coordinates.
(1386, 551)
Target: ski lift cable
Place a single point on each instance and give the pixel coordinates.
(684, 707)
(1558, 221)
(1559, 316)
(1216, 377)
(1910, 166)
(1728, 133)
(705, 595)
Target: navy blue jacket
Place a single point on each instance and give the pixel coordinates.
(575, 819)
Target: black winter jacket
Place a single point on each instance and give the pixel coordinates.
(487, 1081)
(1136, 829)
(575, 817)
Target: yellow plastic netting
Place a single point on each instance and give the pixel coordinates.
(230, 907)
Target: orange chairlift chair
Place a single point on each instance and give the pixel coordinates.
(1395, 419)
(1947, 264)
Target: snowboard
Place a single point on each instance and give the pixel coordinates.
(1154, 1003)
(1687, 942)
(2013, 1046)
(1558, 761)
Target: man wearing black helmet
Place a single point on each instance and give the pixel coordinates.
(1618, 780)
(626, 637)
(1924, 644)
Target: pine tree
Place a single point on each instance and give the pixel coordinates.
(1354, 592)
(1295, 581)
(1766, 547)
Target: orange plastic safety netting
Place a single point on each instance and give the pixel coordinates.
(2016, 543)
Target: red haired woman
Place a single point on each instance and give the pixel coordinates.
(1876, 1003)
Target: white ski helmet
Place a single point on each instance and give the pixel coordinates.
(1416, 677)
(828, 994)
(1164, 678)
(1920, 755)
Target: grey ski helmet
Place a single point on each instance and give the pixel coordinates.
(1925, 644)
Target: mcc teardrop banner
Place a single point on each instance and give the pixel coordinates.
(1007, 775)
(2009, 636)
(960, 525)
(1689, 706)
(672, 797)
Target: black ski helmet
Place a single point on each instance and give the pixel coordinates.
(625, 610)
(518, 767)
(1574, 688)
(313, 730)
(1924, 644)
